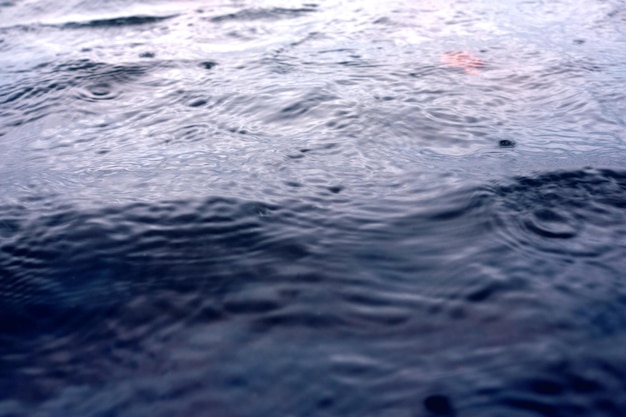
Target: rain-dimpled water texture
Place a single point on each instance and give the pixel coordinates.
(300, 209)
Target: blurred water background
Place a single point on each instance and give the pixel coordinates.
(274, 208)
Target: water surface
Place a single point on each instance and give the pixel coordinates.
(296, 209)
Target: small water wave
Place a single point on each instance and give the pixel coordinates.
(273, 13)
(116, 22)
(120, 22)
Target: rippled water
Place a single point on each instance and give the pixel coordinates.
(297, 209)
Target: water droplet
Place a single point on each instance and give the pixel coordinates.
(197, 103)
(208, 64)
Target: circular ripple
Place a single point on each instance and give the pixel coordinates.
(98, 91)
(567, 213)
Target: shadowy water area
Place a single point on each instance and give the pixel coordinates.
(339, 208)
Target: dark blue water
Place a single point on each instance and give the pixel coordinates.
(243, 209)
